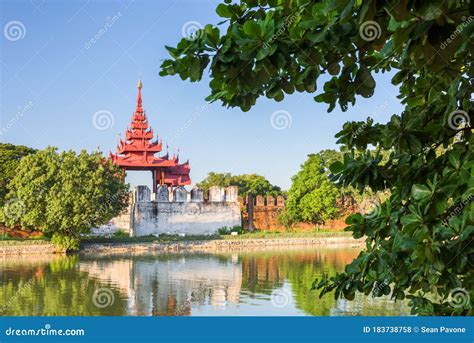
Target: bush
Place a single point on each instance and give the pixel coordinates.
(120, 233)
(68, 243)
(286, 220)
(225, 230)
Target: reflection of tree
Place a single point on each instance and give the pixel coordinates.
(264, 272)
(56, 288)
(175, 284)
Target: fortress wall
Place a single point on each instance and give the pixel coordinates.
(182, 212)
(267, 209)
(191, 218)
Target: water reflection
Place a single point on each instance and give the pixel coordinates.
(275, 282)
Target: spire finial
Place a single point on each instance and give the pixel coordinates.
(139, 97)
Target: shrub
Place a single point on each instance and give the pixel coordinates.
(120, 233)
(225, 230)
(68, 243)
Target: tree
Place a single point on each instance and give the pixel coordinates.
(312, 197)
(65, 194)
(420, 243)
(10, 156)
(254, 183)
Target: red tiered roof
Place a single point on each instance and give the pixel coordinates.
(137, 152)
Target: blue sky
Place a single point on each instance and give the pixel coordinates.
(54, 80)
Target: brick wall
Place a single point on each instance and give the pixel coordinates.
(267, 209)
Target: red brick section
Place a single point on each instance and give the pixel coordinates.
(18, 232)
(266, 216)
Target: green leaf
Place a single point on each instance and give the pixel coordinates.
(420, 192)
(224, 11)
(252, 29)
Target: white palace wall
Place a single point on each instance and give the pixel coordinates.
(181, 212)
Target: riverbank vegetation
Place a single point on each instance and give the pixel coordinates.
(64, 194)
(420, 240)
(120, 238)
(254, 183)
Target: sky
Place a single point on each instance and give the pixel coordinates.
(68, 78)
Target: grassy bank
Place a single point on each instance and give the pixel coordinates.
(176, 238)
(18, 241)
(247, 235)
(276, 235)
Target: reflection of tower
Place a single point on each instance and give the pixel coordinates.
(171, 284)
(218, 297)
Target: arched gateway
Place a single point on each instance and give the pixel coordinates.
(138, 151)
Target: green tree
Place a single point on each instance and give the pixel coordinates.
(10, 156)
(254, 183)
(312, 197)
(65, 194)
(273, 47)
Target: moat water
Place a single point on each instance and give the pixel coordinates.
(264, 283)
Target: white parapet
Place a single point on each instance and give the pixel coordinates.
(216, 194)
(142, 194)
(231, 194)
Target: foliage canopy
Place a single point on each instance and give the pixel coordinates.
(415, 247)
(10, 156)
(257, 184)
(312, 197)
(64, 193)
